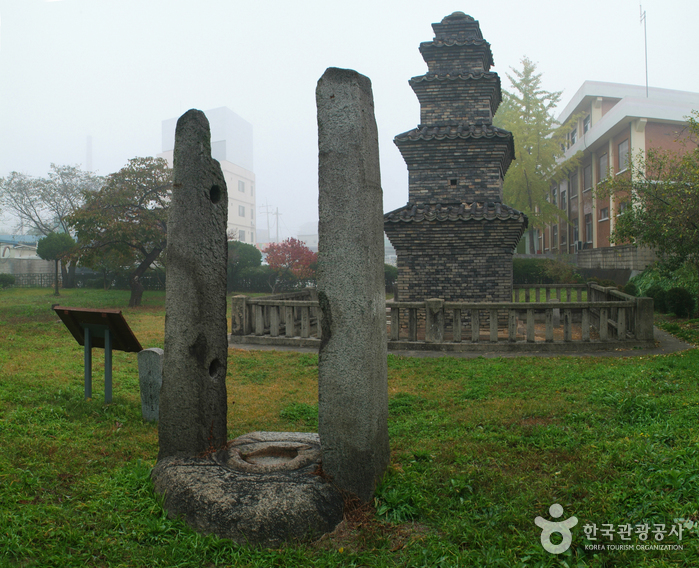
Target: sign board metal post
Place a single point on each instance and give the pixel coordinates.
(99, 328)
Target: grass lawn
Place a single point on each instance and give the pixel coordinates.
(480, 447)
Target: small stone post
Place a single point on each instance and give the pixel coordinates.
(193, 404)
(644, 319)
(240, 322)
(434, 320)
(150, 378)
(352, 365)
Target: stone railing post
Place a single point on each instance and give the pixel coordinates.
(434, 320)
(395, 323)
(240, 324)
(643, 323)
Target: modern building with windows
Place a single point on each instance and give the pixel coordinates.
(615, 124)
(231, 145)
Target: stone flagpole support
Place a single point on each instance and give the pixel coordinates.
(193, 402)
(352, 366)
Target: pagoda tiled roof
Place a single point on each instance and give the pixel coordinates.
(489, 211)
(464, 131)
(449, 42)
(455, 77)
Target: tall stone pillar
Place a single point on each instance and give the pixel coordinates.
(352, 366)
(193, 403)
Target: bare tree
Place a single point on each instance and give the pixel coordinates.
(42, 205)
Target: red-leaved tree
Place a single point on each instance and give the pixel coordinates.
(292, 261)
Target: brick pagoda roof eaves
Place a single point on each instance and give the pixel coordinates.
(460, 43)
(455, 77)
(452, 132)
(491, 211)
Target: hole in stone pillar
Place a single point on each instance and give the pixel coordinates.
(215, 369)
(452, 182)
(215, 194)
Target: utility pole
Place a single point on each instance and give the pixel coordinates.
(265, 209)
(645, 39)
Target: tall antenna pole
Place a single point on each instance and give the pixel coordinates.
(645, 39)
(277, 215)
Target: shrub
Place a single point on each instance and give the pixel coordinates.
(530, 271)
(680, 302)
(659, 295)
(562, 273)
(630, 289)
(6, 280)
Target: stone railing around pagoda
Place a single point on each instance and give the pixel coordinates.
(543, 318)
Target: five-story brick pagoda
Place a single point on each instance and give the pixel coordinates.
(455, 238)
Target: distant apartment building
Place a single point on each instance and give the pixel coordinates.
(231, 145)
(616, 123)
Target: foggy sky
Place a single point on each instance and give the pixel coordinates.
(114, 69)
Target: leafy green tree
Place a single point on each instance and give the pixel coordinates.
(658, 201)
(55, 246)
(241, 256)
(43, 205)
(126, 219)
(539, 139)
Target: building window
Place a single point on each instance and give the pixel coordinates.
(576, 232)
(452, 182)
(587, 177)
(603, 166)
(241, 210)
(624, 155)
(574, 184)
(241, 235)
(604, 214)
(586, 123)
(623, 206)
(554, 195)
(564, 236)
(241, 186)
(588, 228)
(554, 236)
(574, 136)
(252, 213)
(563, 199)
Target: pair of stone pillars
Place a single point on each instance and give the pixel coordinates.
(268, 487)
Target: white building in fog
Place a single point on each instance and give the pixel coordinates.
(231, 145)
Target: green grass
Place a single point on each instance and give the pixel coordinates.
(686, 329)
(480, 447)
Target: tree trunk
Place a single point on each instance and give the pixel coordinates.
(532, 245)
(136, 291)
(68, 275)
(56, 278)
(135, 278)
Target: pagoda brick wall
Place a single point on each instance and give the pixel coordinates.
(442, 99)
(433, 164)
(435, 262)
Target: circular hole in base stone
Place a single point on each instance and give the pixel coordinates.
(215, 369)
(271, 455)
(215, 194)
